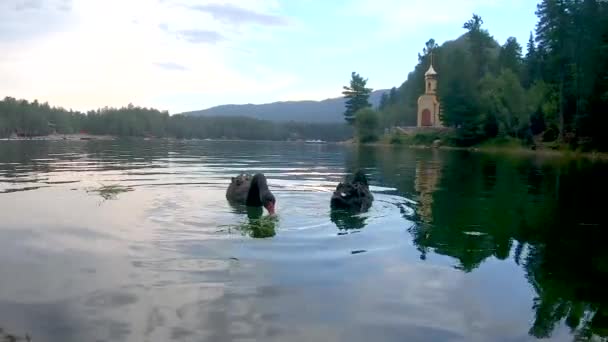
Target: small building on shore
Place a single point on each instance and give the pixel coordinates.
(428, 104)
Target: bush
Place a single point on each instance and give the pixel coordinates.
(490, 127)
(550, 134)
(397, 139)
(537, 122)
(502, 142)
(367, 122)
(425, 138)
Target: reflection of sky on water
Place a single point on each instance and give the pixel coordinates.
(147, 266)
(155, 264)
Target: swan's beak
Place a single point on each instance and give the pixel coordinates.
(270, 207)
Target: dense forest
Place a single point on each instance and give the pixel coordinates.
(556, 92)
(30, 119)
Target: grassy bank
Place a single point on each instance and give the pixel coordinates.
(504, 145)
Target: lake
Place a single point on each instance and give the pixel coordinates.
(458, 246)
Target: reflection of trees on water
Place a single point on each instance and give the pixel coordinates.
(484, 206)
(569, 289)
(346, 220)
(463, 225)
(543, 215)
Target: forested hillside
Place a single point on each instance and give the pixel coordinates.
(556, 92)
(23, 118)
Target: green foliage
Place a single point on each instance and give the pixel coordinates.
(32, 119)
(561, 84)
(357, 96)
(397, 139)
(423, 138)
(393, 96)
(531, 71)
(459, 98)
(480, 42)
(503, 98)
(551, 134)
(367, 123)
(384, 101)
(502, 142)
(110, 192)
(510, 56)
(260, 227)
(426, 138)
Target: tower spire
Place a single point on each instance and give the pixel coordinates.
(431, 71)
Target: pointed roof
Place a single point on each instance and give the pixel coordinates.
(431, 71)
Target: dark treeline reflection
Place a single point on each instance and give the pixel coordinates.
(547, 216)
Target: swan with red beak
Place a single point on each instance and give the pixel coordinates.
(251, 191)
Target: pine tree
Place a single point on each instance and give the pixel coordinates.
(510, 56)
(357, 96)
(392, 97)
(384, 101)
(552, 35)
(479, 41)
(531, 70)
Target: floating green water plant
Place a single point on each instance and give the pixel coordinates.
(108, 192)
(258, 228)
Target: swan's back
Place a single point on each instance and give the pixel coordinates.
(353, 194)
(239, 188)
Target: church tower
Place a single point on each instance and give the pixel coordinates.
(428, 105)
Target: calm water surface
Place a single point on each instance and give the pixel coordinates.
(457, 246)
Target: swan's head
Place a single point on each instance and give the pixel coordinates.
(269, 202)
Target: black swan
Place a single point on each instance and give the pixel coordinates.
(353, 194)
(251, 191)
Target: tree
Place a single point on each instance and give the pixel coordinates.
(357, 96)
(384, 101)
(510, 56)
(502, 100)
(32, 119)
(552, 35)
(429, 47)
(536, 98)
(367, 123)
(393, 96)
(532, 65)
(457, 92)
(479, 42)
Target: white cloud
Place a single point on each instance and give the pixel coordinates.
(108, 52)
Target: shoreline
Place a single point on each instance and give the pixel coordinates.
(93, 137)
(594, 156)
(62, 137)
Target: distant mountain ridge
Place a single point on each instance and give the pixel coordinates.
(325, 111)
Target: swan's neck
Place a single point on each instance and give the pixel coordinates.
(257, 187)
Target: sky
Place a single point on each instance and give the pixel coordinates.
(181, 55)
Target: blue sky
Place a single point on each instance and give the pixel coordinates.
(184, 55)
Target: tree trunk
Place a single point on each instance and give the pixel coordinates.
(561, 106)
